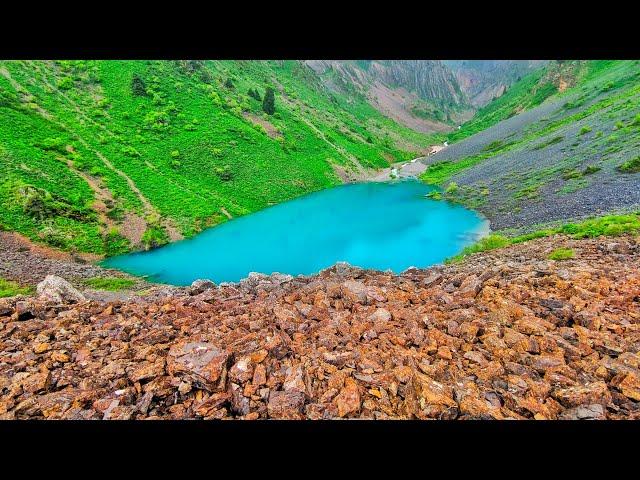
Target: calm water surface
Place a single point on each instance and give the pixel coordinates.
(372, 225)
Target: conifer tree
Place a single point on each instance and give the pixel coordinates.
(268, 103)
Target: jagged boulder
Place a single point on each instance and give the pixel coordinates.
(256, 281)
(56, 289)
(343, 269)
(200, 286)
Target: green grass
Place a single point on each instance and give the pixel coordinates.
(561, 254)
(631, 166)
(10, 289)
(182, 136)
(608, 225)
(549, 142)
(440, 172)
(490, 242)
(113, 284)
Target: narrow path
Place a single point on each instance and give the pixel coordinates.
(356, 163)
(101, 194)
(147, 206)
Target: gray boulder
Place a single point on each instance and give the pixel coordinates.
(58, 290)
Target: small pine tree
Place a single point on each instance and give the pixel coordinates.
(268, 103)
(254, 94)
(228, 83)
(138, 87)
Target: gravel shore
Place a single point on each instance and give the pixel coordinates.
(24, 262)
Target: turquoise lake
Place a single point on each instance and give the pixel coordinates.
(371, 225)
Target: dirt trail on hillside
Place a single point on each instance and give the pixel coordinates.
(360, 169)
(507, 334)
(149, 210)
(268, 126)
(102, 195)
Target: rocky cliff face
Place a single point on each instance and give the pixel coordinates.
(484, 80)
(508, 334)
(431, 80)
(421, 94)
(563, 74)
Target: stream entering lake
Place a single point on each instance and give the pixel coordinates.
(371, 225)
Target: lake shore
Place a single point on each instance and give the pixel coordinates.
(410, 169)
(27, 263)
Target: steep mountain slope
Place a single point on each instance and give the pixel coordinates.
(484, 80)
(421, 94)
(109, 156)
(573, 156)
(533, 89)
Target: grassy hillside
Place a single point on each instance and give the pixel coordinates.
(531, 90)
(573, 156)
(109, 156)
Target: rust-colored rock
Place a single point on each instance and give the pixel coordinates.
(348, 400)
(435, 399)
(630, 386)
(147, 370)
(590, 393)
(286, 405)
(202, 363)
(355, 291)
(37, 382)
(498, 336)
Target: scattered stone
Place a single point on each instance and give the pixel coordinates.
(596, 392)
(37, 382)
(471, 286)
(24, 311)
(355, 291)
(594, 411)
(630, 386)
(348, 400)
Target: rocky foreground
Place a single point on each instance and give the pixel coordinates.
(506, 335)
